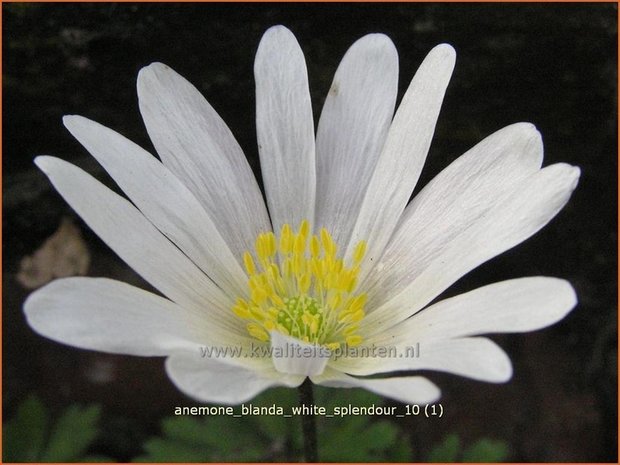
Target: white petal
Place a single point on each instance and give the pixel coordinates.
(454, 200)
(514, 306)
(407, 389)
(473, 357)
(197, 146)
(352, 130)
(400, 163)
(110, 316)
(294, 357)
(285, 128)
(208, 380)
(164, 200)
(135, 240)
(517, 216)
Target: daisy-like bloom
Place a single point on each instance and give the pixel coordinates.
(337, 261)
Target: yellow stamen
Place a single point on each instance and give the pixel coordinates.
(354, 340)
(301, 288)
(248, 261)
(359, 252)
(258, 332)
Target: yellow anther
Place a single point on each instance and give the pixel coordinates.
(288, 268)
(277, 300)
(273, 272)
(257, 315)
(352, 284)
(359, 252)
(334, 300)
(328, 244)
(241, 309)
(357, 303)
(344, 281)
(248, 261)
(349, 330)
(258, 332)
(259, 295)
(285, 239)
(304, 228)
(271, 244)
(315, 246)
(300, 244)
(357, 316)
(260, 248)
(354, 340)
(352, 317)
(329, 280)
(304, 283)
(317, 269)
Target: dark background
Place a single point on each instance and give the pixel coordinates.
(550, 64)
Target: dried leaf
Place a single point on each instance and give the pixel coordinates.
(63, 254)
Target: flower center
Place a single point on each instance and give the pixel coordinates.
(302, 289)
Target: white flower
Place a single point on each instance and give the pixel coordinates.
(339, 262)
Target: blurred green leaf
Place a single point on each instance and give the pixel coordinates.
(276, 427)
(187, 429)
(358, 438)
(486, 450)
(72, 434)
(401, 451)
(96, 459)
(446, 451)
(167, 450)
(30, 436)
(215, 438)
(24, 435)
(483, 450)
(237, 439)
